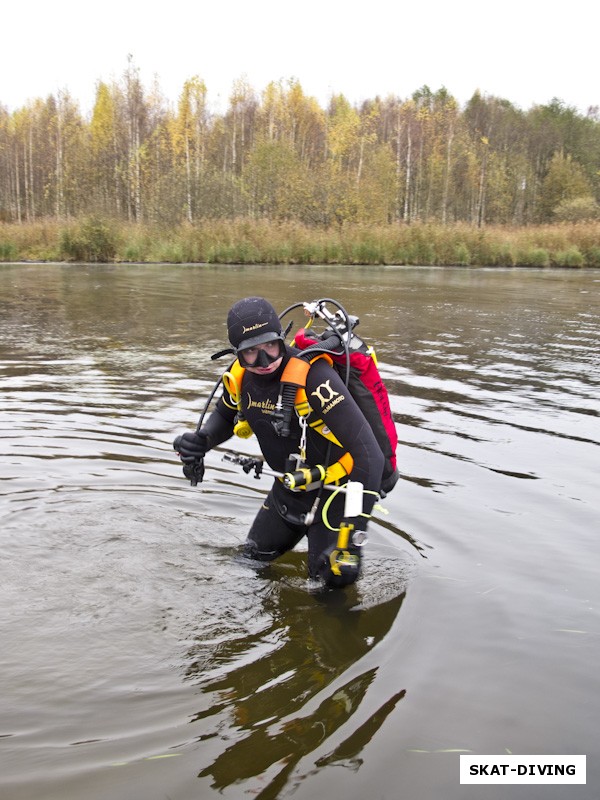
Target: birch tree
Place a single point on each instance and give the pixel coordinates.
(190, 142)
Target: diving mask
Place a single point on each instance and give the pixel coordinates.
(261, 355)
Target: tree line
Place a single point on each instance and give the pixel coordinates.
(280, 156)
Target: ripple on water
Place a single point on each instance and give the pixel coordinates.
(110, 599)
(131, 627)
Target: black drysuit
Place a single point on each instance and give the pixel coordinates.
(279, 524)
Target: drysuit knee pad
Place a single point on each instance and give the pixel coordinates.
(251, 550)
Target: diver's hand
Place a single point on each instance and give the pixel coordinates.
(191, 446)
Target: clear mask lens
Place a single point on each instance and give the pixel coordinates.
(263, 355)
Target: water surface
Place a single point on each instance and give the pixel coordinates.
(142, 658)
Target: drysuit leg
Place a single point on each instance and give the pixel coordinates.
(278, 527)
(271, 535)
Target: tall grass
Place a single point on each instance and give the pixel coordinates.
(244, 241)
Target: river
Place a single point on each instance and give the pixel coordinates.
(141, 658)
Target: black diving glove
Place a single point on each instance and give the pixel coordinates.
(191, 446)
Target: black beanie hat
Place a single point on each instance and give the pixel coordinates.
(252, 321)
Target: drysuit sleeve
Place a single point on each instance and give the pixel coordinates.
(331, 399)
(219, 426)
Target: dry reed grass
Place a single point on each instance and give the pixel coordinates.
(244, 241)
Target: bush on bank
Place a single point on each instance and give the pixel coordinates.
(246, 241)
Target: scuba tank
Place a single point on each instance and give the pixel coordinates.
(356, 362)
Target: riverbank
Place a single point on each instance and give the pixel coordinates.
(264, 242)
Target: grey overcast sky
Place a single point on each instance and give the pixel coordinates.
(527, 52)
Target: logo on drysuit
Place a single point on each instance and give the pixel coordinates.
(326, 396)
(266, 406)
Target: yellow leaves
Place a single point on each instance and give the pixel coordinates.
(343, 128)
(187, 128)
(191, 110)
(103, 119)
(241, 94)
(286, 114)
(192, 100)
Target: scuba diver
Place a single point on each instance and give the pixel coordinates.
(321, 448)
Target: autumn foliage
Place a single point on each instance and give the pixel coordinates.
(278, 158)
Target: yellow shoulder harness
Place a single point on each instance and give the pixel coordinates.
(295, 372)
(232, 381)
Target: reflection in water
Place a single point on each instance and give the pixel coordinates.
(348, 752)
(277, 692)
(254, 755)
